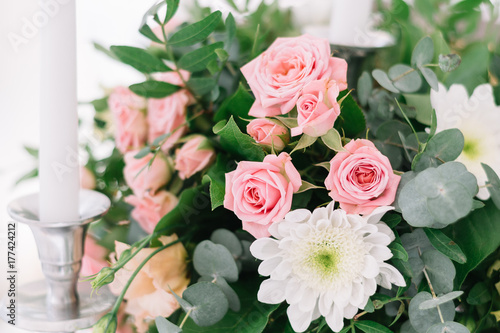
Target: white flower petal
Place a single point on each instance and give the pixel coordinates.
(298, 216)
(370, 287)
(371, 268)
(335, 319)
(350, 311)
(378, 238)
(325, 303)
(393, 275)
(381, 253)
(357, 295)
(264, 248)
(377, 214)
(299, 320)
(294, 291)
(383, 228)
(268, 266)
(309, 301)
(282, 271)
(271, 292)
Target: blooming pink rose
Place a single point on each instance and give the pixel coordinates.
(87, 179)
(317, 108)
(130, 122)
(141, 178)
(168, 115)
(149, 294)
(151, 208)
(94, 257)
(193, 157)
(267, 132)
(260, 193)
(361, 179)
(279, 74)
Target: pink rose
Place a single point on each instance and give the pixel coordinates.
(260, 193)
(317, 108)
(87, 179)
(149, 209)
(130, 122)
(194, 156)
(141, 178)
(267, 132)
(149, 294)
(361, 179)
(278, 75)
(94, 257)
(168, 115)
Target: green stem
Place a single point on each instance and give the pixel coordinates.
(137, 270)
(403, 75)
(143, 244)
(185, 318)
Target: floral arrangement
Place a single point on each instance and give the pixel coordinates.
(254, 190)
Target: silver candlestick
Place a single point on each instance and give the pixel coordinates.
(60, 303)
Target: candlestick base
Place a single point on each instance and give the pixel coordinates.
(32, 313)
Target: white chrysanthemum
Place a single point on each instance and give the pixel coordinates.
(325, 263)
(478, 118)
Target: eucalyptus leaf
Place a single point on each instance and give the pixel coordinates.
(229, 240)
(493, 184)
(209, 303)
(423, 52)
(448, 327)
(422, 320)
(383, 79)
(199, 59)
(449, 62)
(407, 328)
(430, 77)
(365, 87)
(443, 147)
(211, 259)
(196, 32)
(232, 297)
(440, 270)
(405, 78)
(164, 326)
(433, 303)
(140, 59)
(154, 89)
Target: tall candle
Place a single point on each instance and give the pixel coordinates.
(59, 167)
(350, 22)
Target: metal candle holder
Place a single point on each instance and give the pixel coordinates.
(60, 303)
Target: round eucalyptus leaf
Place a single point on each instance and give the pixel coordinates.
(209, 303)
(432, 303)
(405, 179)
(447, 145)
(382, 79)
(211, 259)
(164, 326)
(423, 52)
(422, 320)
(407, 328)
(231, 295)
(229, 240)
(449, 62)
(430, 77)
(440, 269)
(456, 171)
(405, 78)
(448, 327)
(453, 203)
(414, 206)
(414, 244)
(428, 183)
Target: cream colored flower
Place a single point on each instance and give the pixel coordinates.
(325, 263)
(478, 118)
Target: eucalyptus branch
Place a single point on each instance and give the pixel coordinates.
(431, 287)
(403, 74)
(185, 318)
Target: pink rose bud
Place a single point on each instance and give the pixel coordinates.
(87, 179)
(279, 74)
(317, 108)
(260, 193)
(149, 209)
(141, 178)
(361, 179)
(194, 156)
(130, 122)
(268, 133)
(168, 115)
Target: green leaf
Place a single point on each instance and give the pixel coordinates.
(392, 220)
(209, 303)
(433, 303)
(401, 310)
(196, 32)
(172, 6)
(333, 140)
(369, 326)
(154, 89)
(288, 122)
(229, 240)
(475, 61)
(443, 147)
(308, 186)
(445, 245)
(493, 184)
(422, 104)
(104, 50)
(142, 153)
(232, 297)
(214, 260)
(477, 236)
(32, 151)
(238, 105)
(237, 143)
(100, 104)
(398, 251)
(365, 87)
(479, 294)
(32, 174)
(430, 77)
(140, 59)
(252, 317)
(448, 326)
(164, 326)
(304, 142)
(440, 270)
(222, 54)
(199, 59)
(405, 78)
(217, 177)
(383, 79)
(230, 31)
(144, 27)
(422, 320)
(423, 52)
(449, 62)
(201, 85)
(351, 121)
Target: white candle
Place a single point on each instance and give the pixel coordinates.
(349, 24)
(59, 167)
